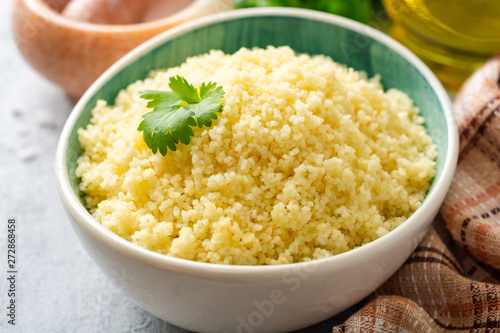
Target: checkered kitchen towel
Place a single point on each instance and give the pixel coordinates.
(451, 282)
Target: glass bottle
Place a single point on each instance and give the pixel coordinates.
(454, 37)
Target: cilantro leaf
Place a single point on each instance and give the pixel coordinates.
(210, 95)
(175, 112)
(161, 99)
(187, 92)
(164, 128)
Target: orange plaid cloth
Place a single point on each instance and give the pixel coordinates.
(450, 283)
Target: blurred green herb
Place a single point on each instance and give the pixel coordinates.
(358, 10)
(175, 112)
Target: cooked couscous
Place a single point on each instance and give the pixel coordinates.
(308, 159)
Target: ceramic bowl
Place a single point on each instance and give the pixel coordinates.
(72, 54)
(219, 298)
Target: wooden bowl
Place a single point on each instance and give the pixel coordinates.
(72, 54)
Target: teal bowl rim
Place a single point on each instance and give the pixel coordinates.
(209, 270)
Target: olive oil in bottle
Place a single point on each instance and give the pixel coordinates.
(454, 37)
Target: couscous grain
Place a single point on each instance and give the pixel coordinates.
(308, 159)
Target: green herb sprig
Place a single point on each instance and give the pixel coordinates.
(175, 112)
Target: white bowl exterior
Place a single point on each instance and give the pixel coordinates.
(217, 298)
(293, 298)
